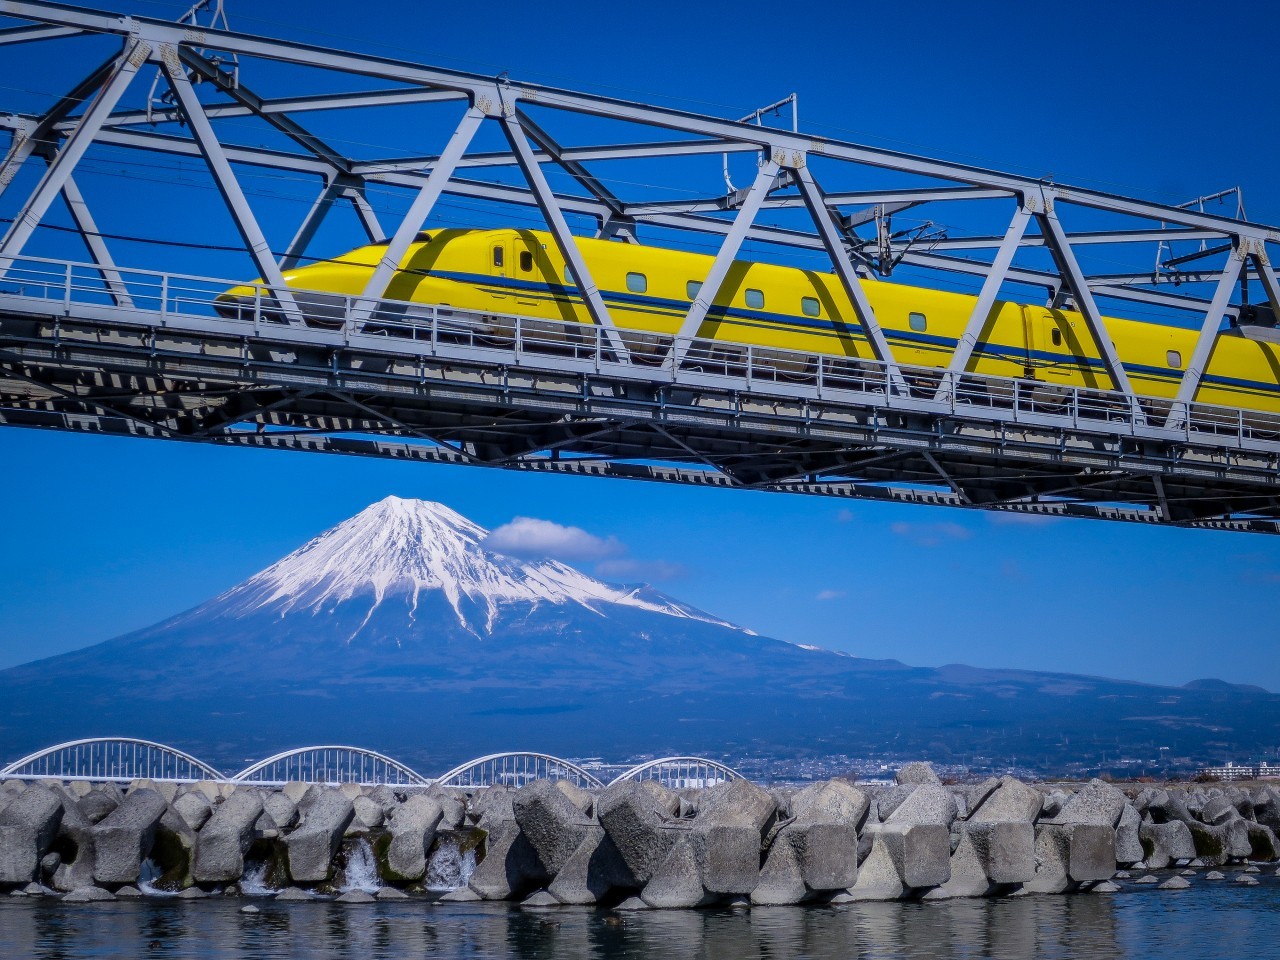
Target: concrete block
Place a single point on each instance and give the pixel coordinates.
(367, 814)
(412, 829)
(97, 805)
(668, 800)
(823, 835)
(727, 835)
(193, 808)
(1129, 836)
(926, 805)
(640, 826)
(1218, 810)
(28, 826)
(1070, 853)
(1163, 843)
(903, 857)
(312, 846)
(167, 789)
(781, 882)
(1266, 807)
(580, 798)
(123, 840)
(295, 790)
(283, 810)
(1010, 801)
(510, 867)
(226, 837)
(551, 822)
(75, 838)
(1262, 842)
(592, 872)
(453, 808)
(916, 774)
(988, 857)
(1098, 802)
(677, 882)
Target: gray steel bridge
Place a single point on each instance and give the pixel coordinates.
(94, 345)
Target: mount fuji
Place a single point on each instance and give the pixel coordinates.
(402, 629)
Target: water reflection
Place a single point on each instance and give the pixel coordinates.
(1132, 925)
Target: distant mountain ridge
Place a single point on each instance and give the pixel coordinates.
(400, 630)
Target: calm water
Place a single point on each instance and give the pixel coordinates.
(1211, 920)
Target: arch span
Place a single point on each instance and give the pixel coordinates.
(678, 773)
(118, 759)
(516, 769)
(331, 764)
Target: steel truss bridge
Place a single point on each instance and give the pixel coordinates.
(90, 344)
(125, 759)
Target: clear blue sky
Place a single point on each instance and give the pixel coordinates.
(106, 535)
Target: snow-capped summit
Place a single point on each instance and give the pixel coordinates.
(405, 550)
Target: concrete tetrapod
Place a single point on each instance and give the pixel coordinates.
(637, 820)
(226, 837)
(510, 867)
(28, 826)
(727, 835)
(1163, 843)
(817, 851)
(412, 830)
(123, 840)
(312, 846)
(593, 871)
(553, 824)
(1070, 853)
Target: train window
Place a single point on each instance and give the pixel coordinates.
(568, 275)
(810, 307)
(755, 299)
(1056, 336)
(692, 288)
(526, 261)
(637, 282)
(497, 256)
(917, 322)
(1174, 359)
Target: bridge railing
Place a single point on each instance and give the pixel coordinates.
(114, 759)
(178, 302)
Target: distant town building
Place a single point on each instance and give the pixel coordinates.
(1243, 771)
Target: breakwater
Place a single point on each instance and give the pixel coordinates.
(633, 844)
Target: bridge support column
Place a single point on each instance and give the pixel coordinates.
(1199, 360)
(820, 212)
(417, 214)
(987, 297)
(1074, 277)
(565, 242)
(710, 289)
(216, 159)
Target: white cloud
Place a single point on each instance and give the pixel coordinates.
(531, 537)
(628, 569)
(931, 534)
(830, 594)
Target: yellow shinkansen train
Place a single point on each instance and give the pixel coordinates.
(648, 291)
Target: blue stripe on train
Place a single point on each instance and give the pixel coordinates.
(565, 294)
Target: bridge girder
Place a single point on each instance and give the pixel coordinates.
(312, 391)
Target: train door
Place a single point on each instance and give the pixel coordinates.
(524, 271)
(500, 266)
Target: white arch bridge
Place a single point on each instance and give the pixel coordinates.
(124, 759)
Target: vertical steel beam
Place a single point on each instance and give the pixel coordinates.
(1074, 277)
(575, 169)
(228, 185)
(364, 210)
(821, 215)
(417, 214)
(1269, 282)
(25, 223)
(1207, 339)
(310, 224)
(97, 245)
(564, 238)
(990, 289)
(723, 262)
